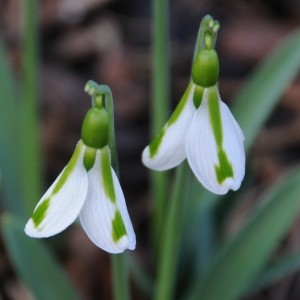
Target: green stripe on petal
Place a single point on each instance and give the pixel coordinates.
(177, 112)
(215, 114)
(154, 146)
(118, 227)
(68, 169)
(40, 212)
(108, 183)
(224, 169)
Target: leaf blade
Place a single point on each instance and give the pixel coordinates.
(266, 86)
(241, 259)
(34, 263)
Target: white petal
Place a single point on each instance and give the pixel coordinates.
(60, 205)
(100, 209)
(171, 150)
(202, 152)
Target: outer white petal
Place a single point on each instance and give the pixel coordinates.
(99, 211)
(202, 153)
(171, 150)
(60, 205)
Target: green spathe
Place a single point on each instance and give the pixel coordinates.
(224, 170)
(108, 183)
(95, 128)
(154, 146)
(205, 70)
(118, 227)
(40, 212)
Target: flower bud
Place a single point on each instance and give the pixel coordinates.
(205, 71)
(95, 128)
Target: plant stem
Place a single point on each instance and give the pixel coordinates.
(31, 158)
(120, 276)
(119, 261)
(160, 105)
(172, 236)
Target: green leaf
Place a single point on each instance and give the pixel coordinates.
(278, 270)
(241, 259)
(28, 121)
(256, 100)
(34, 263)
(9, 137)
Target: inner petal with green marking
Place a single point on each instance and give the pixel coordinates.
(107, 177)
(224, 169)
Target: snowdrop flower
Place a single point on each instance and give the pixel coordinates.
(203, 130)
(88, 187)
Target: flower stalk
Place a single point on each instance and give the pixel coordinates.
(160, 104)
(120, 263)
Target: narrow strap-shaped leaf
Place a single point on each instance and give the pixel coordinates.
(34, 263)
(30, 167)
(256, 100)
(9, 137)
(241, 259)
(276, 271)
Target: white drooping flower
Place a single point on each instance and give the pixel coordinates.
(203, 130)
(89, 188)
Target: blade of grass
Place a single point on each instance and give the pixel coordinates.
(28, 120)
(255, 102)
(142, 278)
(241, 259)
(278, 270)
(160, 105)
(9, 136)
(172, 230)
(34, 263)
